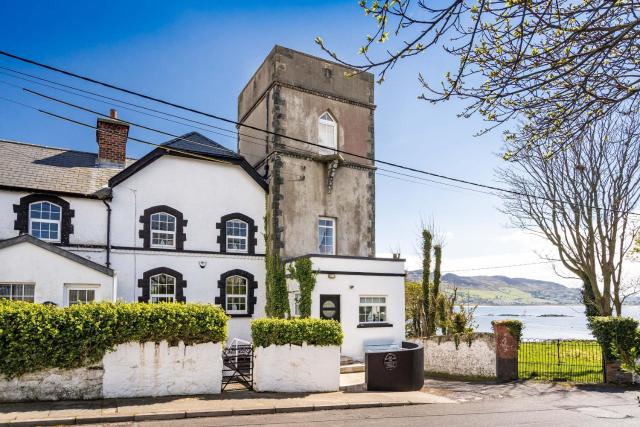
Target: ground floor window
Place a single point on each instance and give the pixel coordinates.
(236, 295)
(162, 288)
(296, 303)
(17, 291)
(80, 296)
(373, 309)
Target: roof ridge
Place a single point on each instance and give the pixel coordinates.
(30, 144)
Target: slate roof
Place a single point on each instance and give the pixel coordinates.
(197, 143)
(35, 168)
(39, 168)
(56, 250)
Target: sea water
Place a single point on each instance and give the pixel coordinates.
(544, 321)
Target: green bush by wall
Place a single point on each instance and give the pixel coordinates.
(615, 332)
(34, 337)
(266, 332)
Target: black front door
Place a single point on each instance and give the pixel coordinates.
(330, 307)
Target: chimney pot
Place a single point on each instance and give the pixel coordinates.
(113, 113)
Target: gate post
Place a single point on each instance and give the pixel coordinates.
(506, 351)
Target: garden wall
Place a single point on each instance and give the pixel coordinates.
(294, 368)
(477, 359)
(131, 370)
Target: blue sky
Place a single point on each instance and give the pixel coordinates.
(202, 53)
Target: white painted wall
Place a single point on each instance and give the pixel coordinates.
(89, 222)
(51, 273)
(202, 190)
(54, 384)
(202, 283)
(157, 369)
(296, 369)
(350, 288)
(479, 359)
(131, 370)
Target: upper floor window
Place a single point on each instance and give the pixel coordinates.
(162, 288)
(44, 221)
(163, 230)
(327, 134)
(236, 295)
(17, 291)
(237, 235)
(327, 236)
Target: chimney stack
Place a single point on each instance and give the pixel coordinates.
(111, 136)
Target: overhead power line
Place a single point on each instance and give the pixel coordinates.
(239, 124)
(503, 266)
(142, 141)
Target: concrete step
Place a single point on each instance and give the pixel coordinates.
(352, 368)
(353, 382)
(346, 360)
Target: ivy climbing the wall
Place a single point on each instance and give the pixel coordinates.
(302, 271)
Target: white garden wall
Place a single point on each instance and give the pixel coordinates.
(54, 384)
(131, 370)
(157, 369)
(292, 368)
(478, 359)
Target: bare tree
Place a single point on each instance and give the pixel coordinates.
(581, 201)
(559, 64)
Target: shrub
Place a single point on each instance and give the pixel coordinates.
(266, 332)
(34, 337)
(515, 327)
(616, 335)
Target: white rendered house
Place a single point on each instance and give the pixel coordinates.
(185, 222)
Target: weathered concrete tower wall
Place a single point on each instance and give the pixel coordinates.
(287, 95)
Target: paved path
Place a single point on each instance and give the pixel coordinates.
(236, 403)
(440, 402)
(508, 405)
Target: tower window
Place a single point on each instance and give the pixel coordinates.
(327, 236)
(327, 134)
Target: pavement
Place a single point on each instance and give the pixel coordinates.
(173, 408)
(440, 401)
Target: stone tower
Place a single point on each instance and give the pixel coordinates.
(320, 201)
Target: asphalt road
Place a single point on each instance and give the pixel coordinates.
(579, 408)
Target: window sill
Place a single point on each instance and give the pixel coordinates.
(375, 325)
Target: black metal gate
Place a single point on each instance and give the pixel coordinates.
(579, 361)
(237, 367)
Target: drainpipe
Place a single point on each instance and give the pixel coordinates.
(108, 232)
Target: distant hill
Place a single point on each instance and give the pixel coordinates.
(502, 290)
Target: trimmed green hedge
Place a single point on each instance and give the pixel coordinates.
(620, 333)
(265, 332)
(34, 337)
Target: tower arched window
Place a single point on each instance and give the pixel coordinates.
(327, 133)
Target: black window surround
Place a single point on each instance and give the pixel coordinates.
(22, 218)
(252, 229)
(252, 285)
(145, 220)
(145, 285)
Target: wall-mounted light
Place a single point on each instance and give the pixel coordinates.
(351, 286)
(202, 264)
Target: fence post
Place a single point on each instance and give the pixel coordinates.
(506, 353)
